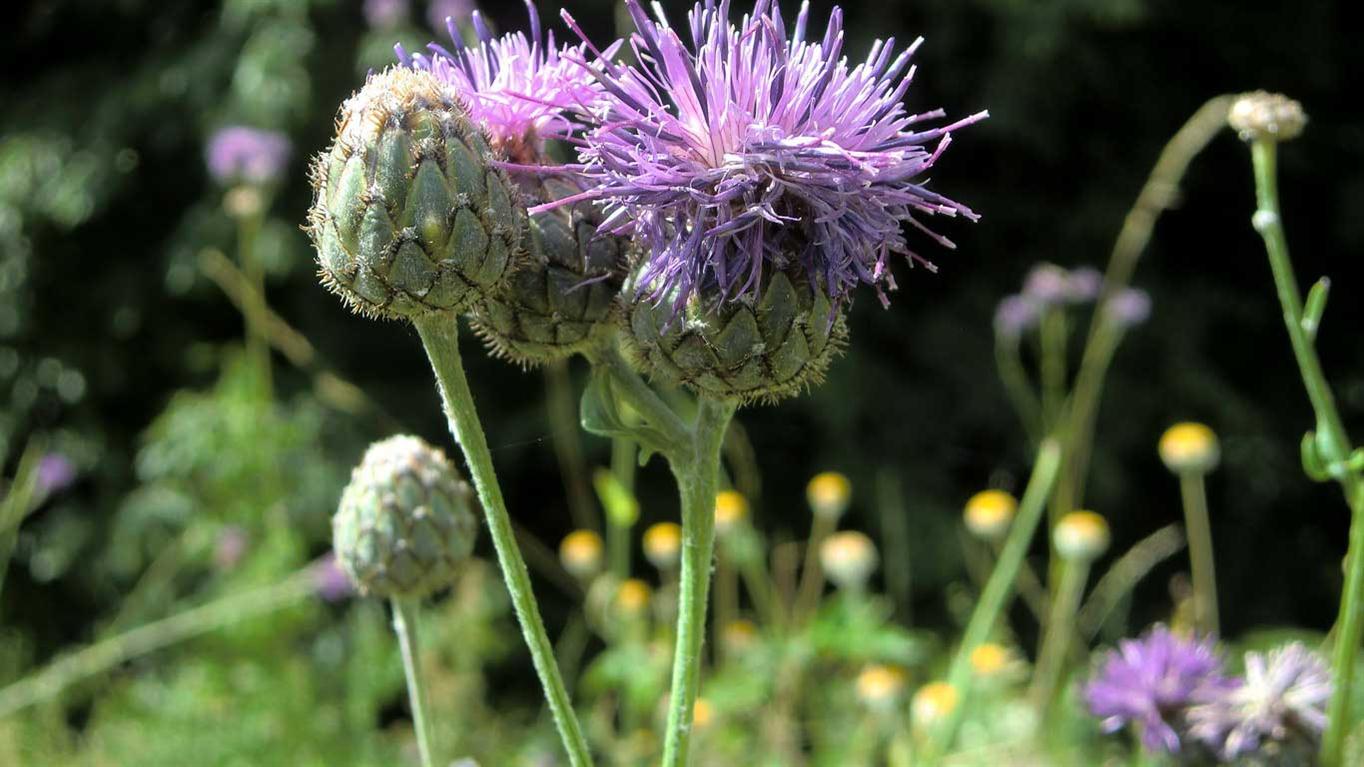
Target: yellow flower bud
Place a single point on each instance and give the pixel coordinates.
(632, 597)
(731, 508)
(932, 703)
(662, 544)
(879, 687)
(739, 636)
(1081, 535)
(580, 552)
(989, 513)
(829, 494)
(702, 714)
(989, 659)
(1263, 115)
(1189, 448)
(848, 558)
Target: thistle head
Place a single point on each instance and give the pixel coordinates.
(1189, 448)
(1279, 706)
(408, 215)
(240, 154)
(405, 522)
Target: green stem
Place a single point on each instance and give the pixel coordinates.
(697, 473)
(1017, 385)
(1332, 436)
(1060, 630)
(1053, 366)
(255, 307)
(440, 336)
(1200, 553)
(995, 596)
(623, 456)
(406, 624)
(812, 576)
(563, 409)
(643, 399)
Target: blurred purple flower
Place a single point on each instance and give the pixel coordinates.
(742, 151)
(230, 547)
(239, 153)
(1129, 307)
(1283, 695)
(1014, 315)
(518, 88)
(457, 10)
(55, 473)
(385, 14)
(1047, 284)
(1150, 682)
(1084, 284)
(330, 580)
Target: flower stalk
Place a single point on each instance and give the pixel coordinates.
(1199, 531)
(406, 625)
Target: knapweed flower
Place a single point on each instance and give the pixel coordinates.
(1151, 682)
(1047, 284)
(741, 152)
(1015, 314)
(440, 13)
(1084, 284)
(55, 473)
(517, 88)
(330, 582)
(1281, 698)
(1129, 307)
(232, 544)
(241, 154)
(384, 14)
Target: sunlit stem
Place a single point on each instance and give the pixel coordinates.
(406, 625)
(1060, 631)
(1200, 552)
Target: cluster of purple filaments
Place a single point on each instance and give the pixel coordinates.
(239, 153)
(745, 149)
(519, 89)
(1048, 286)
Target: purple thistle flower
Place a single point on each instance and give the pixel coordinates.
(239, 153)
(1084, 284)
(384, 14)
(230, 547)
(440, 12)
(1150, 683)
(55, 472)
(519, 89)
(1047, 284)
(1283, 695)
(1015, 314)
(1129, 307)
(744, 150)
(330, 581)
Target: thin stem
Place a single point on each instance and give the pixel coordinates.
(562, 407)
(1123, 576)
(255, 308)
(1331, 437)
(406, 624)
(697, 479)
(1060, 630)
(440, 336)
(643, 399)
(623, 457)
(995, 596)
(1200, 553)
(812, 576)
(1017, 385)
(1053, 365)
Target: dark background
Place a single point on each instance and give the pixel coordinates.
(104, 200)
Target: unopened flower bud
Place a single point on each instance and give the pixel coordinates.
(632, 598)
(1047, 284)
(663, 544)
(404, 524)
(988, 659)
(731, 509)
(757, 347)
(702, 714)
(1189, 448)
(880, 687)
(1264, 115)
(739, 636)
(1081, 536)
(829, 494)
(409, 217)
(580, 552)
(848, 559)
(989, 513)
(932, 704)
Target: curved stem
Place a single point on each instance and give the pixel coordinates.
(406, 624)
(643, 399)
(697, 473)
(1200, 553)
(440, 336)
(623, 457)
(1060, 630)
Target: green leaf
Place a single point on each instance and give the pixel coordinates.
(604, 413)
(1312, 463)
(1315, 307)
(621, 505)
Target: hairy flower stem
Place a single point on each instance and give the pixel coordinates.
(440, 336)
(1331, 440)
(623, 456)
(1058, 635)
(995, 596)
(1200, 552)
(812, 575)
(697, 471)
(406, 624)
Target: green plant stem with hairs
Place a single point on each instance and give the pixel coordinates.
(623, 457)
(440, 336)
(998, 589)
(1200, 552)
(1058, 634)
(406, 625)
(697, 472)
(1331, 441)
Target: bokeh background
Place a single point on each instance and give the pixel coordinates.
(118, 349)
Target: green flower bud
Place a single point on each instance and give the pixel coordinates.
(762, 349)
(564, 298)
(404, 523)
(408, 216)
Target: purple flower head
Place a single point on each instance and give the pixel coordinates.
(1283, 695)
(1015, 314)
(330, 581)
(384, 14)
(1150, 683)
(230, 547)
(517, 88)
(1047, 284)
(440, 12)
(740, 149)
(238, 153)
(1084, 284)
(1129, 307)
(55, 473)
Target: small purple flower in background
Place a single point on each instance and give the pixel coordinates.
(1151, 682)
(742, 151)
(238, 153)
(55, 473)
(1047, 284)
(1014, 315)
(330, 580)
(230, 547)
(385, 14)
(1084, 284)
(1129, 307)
(517, 88)
(441, 11)
(1283, 695)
